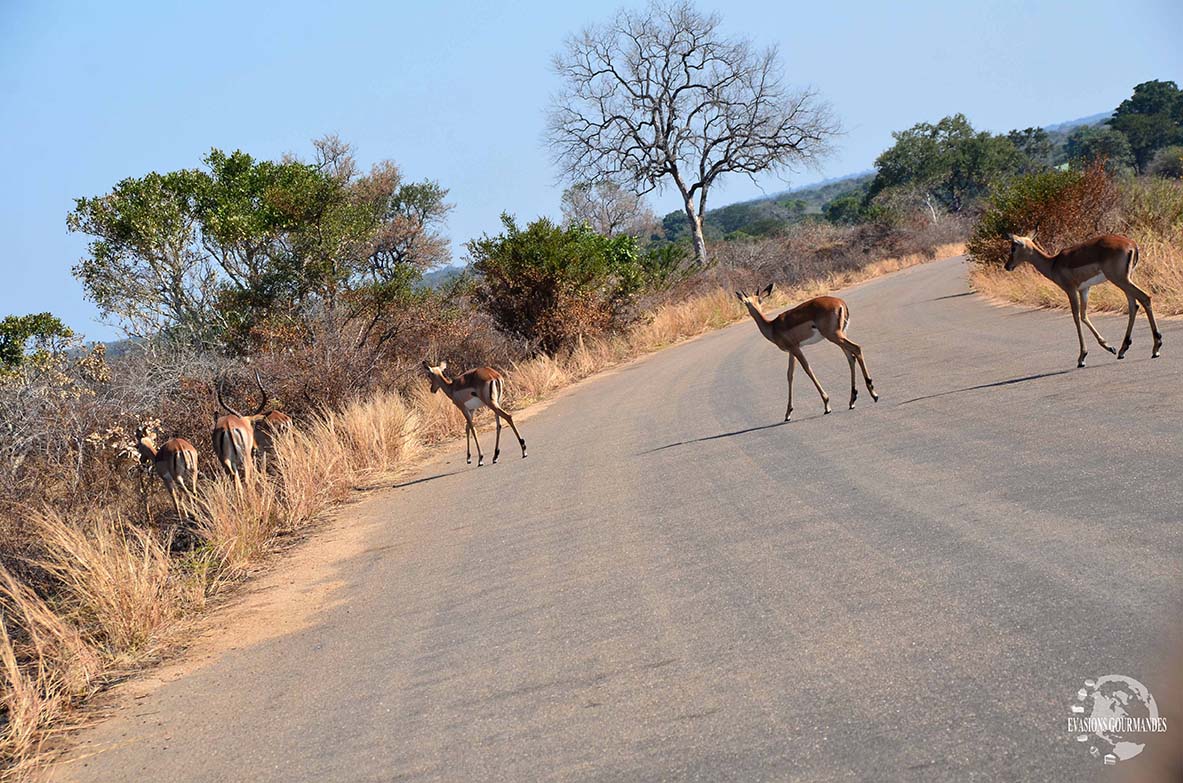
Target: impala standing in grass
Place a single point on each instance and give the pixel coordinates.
(267, 430)
(175, 462)
(234, 434)
(469, 391)
(807, 323)
(1078, 268)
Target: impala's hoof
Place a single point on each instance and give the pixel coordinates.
(1110, 348)
(480, 463)
(826, 412)
(874, 396)
(468, 460)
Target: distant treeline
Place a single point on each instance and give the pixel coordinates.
(948, 167)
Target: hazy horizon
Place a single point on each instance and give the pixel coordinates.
(458, 94)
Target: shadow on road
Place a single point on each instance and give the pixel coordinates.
(423, 480)
(716, 437)
(1009, 382)
(954, 296)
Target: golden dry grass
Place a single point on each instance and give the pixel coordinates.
(122, 594)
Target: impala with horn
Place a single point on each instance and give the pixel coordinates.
(1078, 268)
(805, 324)
(175, 462)
(469, 391)
(234, 433)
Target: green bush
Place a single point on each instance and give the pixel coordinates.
(1062, 206)
(548, 284)
(1168, 163)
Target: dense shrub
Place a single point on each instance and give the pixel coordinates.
(548, 284)
(1063, 206)
(1168, 162)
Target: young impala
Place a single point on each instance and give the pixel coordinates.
(470, 391)
(175, 462)
(1078, 268)
(807, 323)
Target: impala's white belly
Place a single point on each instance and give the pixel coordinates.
(816, 337)
(1092, 281)
(472, 403)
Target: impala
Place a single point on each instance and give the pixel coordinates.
(807, 323)
(1078, 268)
(234, 434)
(469, 391)
(270, 427)
(175, 462)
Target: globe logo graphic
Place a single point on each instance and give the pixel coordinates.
(1114, 713)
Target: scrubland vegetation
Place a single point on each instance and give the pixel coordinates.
(310, 273)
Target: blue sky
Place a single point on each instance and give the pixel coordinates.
(94, 92)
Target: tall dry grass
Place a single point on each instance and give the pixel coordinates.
(121, 594)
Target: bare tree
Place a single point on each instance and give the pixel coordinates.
(660, 93)
(608, 208)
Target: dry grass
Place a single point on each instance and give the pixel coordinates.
(119, 594)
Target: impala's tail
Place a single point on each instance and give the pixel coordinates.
(1133, 261)
(844, 316)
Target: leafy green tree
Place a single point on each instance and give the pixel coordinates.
(31, 339)
(245, 246)
(1152, 118)
(942, 167)
(1091, 143)
(848, 209)
(548, 284)
(1036, 145)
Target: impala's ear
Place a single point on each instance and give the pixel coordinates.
(426, 366)
(739, 295)
(767, 290)
(443, 366)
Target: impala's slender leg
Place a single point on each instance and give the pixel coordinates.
(1144, 300)
(1074, 301)
(792, 365)
(1132, 306)
(853, 388)
(1084, 316)
(855, 352)
(467, 439)
(498, 410)
(497, 443)
(480, 457)
(805, 366)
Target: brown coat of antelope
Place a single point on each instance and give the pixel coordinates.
(807, 323)
(1078, 268)
(270, 427)
(175, 462)
(234, 434)
(469, 391)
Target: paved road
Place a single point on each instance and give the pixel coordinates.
(675, 586)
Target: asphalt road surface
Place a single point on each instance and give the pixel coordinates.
(677, 586)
